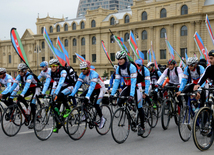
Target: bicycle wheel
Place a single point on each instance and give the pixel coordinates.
(44, 123)
(159, 107)
(148, 121)
(185, 124)
(165, 116)
(154, 114)
(202, 129)
(76, 123)
(1, 111)
(120, 126)
(11, 120)
(107, 115)
(177, 111)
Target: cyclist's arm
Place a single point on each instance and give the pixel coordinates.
(162, 77)
(133, 76)
(184, 79)
(111, 81)
(147, 80)
(201, 73)
(17, 80)
(180, 74)
(40, 76)
(9, 84)
(77, 85)
(204, 76)
(94, 80)
(116, 82)
(47, 82)
(159, 75)
(61, 81)
(27, 85)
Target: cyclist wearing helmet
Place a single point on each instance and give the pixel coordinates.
(112, 80)
(96, 87)
(46, 73)
(62, 86)
(30, 87)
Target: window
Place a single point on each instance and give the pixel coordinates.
(43, 45)
(51, 57)
(93, 23)
(93, 57)
(43, 59)
(145, 54)
(83, 55)
(184, 31)
(83, 41)
(42, 30)
(58, 28)
(82, 25)
(162, 33)
(126, 37)
(112, 39)
(74, 42)
(183, 50)
(163, 13)
(74, 26)
(93, 40)
(112, 56)
(184, 10)
(66, 42)
(9, 59)
(144, 15)
(144, 35)
(112, 21)
(126, 19)
(51, 29)
(163, 54)
(66, 27)
(74, 58)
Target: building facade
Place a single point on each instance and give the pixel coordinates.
(148, 20)
(105, 4)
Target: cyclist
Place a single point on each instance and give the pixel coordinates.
(129, 73)
(64, 81)
(175, 75)
(192, 74)
(46, 73)
(31, 86)
(154, 76)
(96, 87)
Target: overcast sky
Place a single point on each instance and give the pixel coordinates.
(22, 14)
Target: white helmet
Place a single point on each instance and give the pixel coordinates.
(22, 66)
(2, 70)
(192, 61)
(53, 61)
(115, 67)
(151, 64)
(85, 64)
(121, 55)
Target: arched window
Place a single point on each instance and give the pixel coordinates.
(184, 10)
(126, 37)
(93, 40)
(58, 28)
(42, 30)
(93, 23)
(126, 19)
(82, 25)
(51, 29)
(66, 42)
(144, 35)
(74, 42)
(144, 15)
(74, 26)
(83, 41)
(163, 13)
(184, 31)
(43, 45)
(112, 39)
(162, 33)
(66, 27)
(112, 21)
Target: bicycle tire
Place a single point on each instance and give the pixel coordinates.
(108, 116)
(11, 121)
(1, 111)
(43, 123)
(177, 111)
(148, 121)
(120, 122)
(199, 128)
(166, 112)
(159, 107)
(185, 124)
(76, 126)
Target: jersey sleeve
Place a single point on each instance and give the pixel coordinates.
(9, 84)
(17, 80)
(63, 75)
(77, 85)
(180, 74)
(116, 81)
(147, 80)
(27, 84)
(184, 79)
(133, 76)
(162, 77)
(94, 80)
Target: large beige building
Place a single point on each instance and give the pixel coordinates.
(148, 20)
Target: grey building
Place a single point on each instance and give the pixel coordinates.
(105, 4)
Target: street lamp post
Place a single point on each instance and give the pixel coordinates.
(37, 50)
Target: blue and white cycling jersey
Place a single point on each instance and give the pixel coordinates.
(47, 75)
(8, 81)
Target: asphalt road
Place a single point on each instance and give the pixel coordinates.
(159, 142)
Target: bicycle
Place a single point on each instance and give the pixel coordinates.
(203, 124)
(2, 109)
(186, 118)
(86, 114)
(170, 108)
(127, 116)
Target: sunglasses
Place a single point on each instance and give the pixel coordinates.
(192, 65)
(21, 71)
(149, 67)
(1, 73)
(83, 69)
(54, 65)
(42, 66)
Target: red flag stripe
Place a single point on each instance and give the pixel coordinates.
(17, 45)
